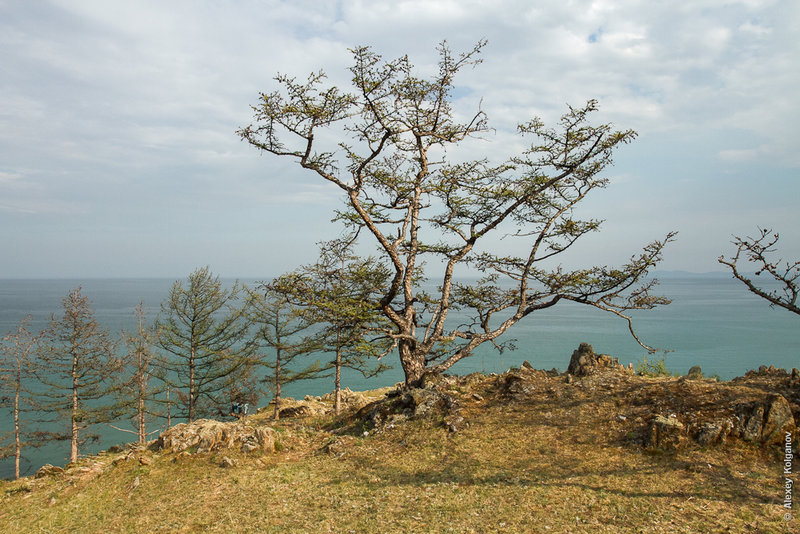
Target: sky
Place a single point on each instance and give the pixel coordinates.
(119, 157)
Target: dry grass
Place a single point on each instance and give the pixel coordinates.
(554, 462)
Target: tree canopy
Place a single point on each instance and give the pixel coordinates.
(386, 146)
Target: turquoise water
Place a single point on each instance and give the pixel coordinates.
(713, 322)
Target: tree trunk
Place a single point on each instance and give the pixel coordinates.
(169, 409)
(73, 455)
(413, 363)
(191, 385)
(337, 382)
(277, 398)
(17, 444)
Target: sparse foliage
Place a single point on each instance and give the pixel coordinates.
(340, 294)
(76, 364)
(16, 352)
(390, 162)
(281, 337)
(202, 331)
(759, 252)
(138, 391)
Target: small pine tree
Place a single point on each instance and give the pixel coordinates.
(202, 333)
(76, 364)
(280, 338)
(16, 352)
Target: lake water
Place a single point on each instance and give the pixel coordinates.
(713, 322)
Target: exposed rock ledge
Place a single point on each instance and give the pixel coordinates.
(206, 435)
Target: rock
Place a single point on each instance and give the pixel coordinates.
(48, 470)
(695, 373)
(584, 362)
(454, 422)
(711, 433)
(301, 410)
(752, 423)
(144, 460)
(227, 462)
(408, 402)
(526, 365)
(666, 433)
(777, 421)
(206, 435)
(766, 421)
(795, 374)
(339, 446)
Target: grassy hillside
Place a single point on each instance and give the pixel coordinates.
(557, 455)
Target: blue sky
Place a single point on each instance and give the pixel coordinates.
(118, 153)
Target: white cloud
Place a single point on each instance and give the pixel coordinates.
(122, 107)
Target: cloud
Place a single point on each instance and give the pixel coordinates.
(126, 112)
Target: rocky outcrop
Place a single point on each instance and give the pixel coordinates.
(766, 421)
(405, 403)
(206, 435)
(695, 373)
(49, 470)
(584, 362)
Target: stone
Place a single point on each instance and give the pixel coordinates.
(207, 435)
(713, 432)
(778, 420)
(144, 460)
(666, 433)
(584, 362)
(301, 410)
(695, 373)
(227, 462)
(454, 422)
(48, 470)
(795, 374)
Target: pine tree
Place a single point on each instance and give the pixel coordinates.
(16, 352)
(281, 337)
(340, 293)
(76, 364)
(202, 332)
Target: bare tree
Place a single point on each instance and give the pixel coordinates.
(386, 146)
(758, 252)
(16, 351)
(76, 364)
(138, 397)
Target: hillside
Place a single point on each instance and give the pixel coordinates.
(526, 451)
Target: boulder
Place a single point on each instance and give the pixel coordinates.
(666, 433)
(713, 432)
(764, 421)
(48, 470)
(695, 373)
(409, 403)
(778, 420)
(207, 435)
(584, 362)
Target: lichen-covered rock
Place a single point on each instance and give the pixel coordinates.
(666, 433)
(206, 435)
(713, 432)
(778, 420)
(48, 470)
